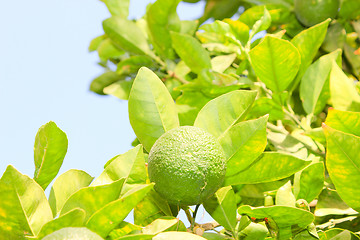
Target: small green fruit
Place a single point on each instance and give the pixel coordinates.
(187, 165)
(311, 12)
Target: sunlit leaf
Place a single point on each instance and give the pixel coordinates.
(130, 165)
(348, 122)
(71, 233)
(243, 144)
(285, 196)
(109, 216)
(49, 152)
(74, 218)
(32, 198)
(221, 113)
(177, 236)
(343, 164)
(91, 199)
(191, 52)
(65, 185)
(164, 224)
(276, 62)
(269, 166)
(152, 110)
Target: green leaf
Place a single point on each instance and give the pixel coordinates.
(347, 122)
(177, 236)
(254, 231)
(285, 196)
(136, 237)
(284, 217)
(352, 57)
(343, 164)
(120, 89)
(130, 165)
(108, 217)
(133, 64)
(91, 199)
(221, 63)
(221, 113)
(269, 166)
(191, 52)
(239, 29)
(124, 228)
(342, 91)
(152, 207)
(213, 236)
(222, 207)
(152, 110)
(104, 80)
(94, 44)
(330, 203)
(276, 62)
(336, 232)
(243, 144)
(308, 43)
(260, 25)
(74, 218)
(127, 36)
(162, 18)
(335, 37)
(107, 50)
(64, 186)
(32, 198)
(72, 233)
(349, 9)
(118, 8)
(49, 152)
(164, 224)
(14, 223)
(314, 85)
(309, 183)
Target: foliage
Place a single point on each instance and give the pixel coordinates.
(284, 106)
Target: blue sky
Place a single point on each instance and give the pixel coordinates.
(45, 72)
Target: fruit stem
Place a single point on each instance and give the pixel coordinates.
(189, 217)
(194, 215)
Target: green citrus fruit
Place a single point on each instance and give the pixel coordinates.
(187, 165)
(311, 12)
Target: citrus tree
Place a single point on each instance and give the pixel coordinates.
(256, 117)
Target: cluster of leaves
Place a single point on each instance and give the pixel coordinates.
(264, 98)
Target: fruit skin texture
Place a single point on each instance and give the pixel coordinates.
(311, 12)
(187, 165)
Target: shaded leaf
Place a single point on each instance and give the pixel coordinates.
(108, 217)
(107, 50)
(221, 113)
(335, 37)
(343, 164)
(65, 185)
(102, 81)
(133, 64)
(49, 152)
(191, 52)
(124, 228)
(31, 196)
(222, 207)
(152, 110)
(94, 44)
(269, 166)
(275, 62)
